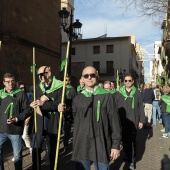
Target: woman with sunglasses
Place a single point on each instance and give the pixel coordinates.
(132, 117)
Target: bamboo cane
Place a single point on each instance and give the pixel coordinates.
(35, 110)
(61, 113)
(117, 80)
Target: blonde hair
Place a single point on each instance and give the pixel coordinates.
(166, 89)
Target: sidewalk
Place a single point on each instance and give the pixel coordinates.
(153, 153)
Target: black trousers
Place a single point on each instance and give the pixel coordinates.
(129, 144)
(52, 150)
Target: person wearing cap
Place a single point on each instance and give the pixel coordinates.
(96, 130)
(48, 96)
(14, 109)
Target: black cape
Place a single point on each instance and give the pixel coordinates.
(92, 139)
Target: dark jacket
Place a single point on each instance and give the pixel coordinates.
(93, 138)
(21, 110)
(148, 96)
(163, 105)
(125, 111)
(48, 122)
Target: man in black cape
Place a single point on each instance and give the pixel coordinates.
(96, 130)
(132, 117)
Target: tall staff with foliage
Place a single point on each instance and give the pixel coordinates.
(62, 102)
(35, 110)
(117, 80)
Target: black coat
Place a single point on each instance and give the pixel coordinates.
(21, 110)
(48, 122)
(92, 139)
(126, 113)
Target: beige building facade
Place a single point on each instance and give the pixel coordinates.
(106, 54)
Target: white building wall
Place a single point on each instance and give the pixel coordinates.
(157, 57)
(121, 55)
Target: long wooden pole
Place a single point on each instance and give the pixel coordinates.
(61, 113)
(35, 110)
(117, 79)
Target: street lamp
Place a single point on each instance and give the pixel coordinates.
(73, 30)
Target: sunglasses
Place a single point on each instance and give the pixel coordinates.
(22, 87)
(128, 80)
(42, 74)
(86, 76)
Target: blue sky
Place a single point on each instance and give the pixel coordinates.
(107, 16)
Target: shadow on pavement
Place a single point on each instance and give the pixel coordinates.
(142, 136)
(165, 163)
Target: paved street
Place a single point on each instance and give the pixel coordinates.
(153, 154)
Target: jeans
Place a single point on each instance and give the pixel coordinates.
(16, 141)
(156, 108)
(85, 165)
(26, 136)
(166, 120)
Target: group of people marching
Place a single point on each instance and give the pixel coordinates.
(103, 118)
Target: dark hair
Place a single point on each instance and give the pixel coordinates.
(128, 75)
(107, 82)
(8, 75)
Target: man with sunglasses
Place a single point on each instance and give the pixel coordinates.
(48, 94)
(132, 117)
(14, 109)
(96, 131)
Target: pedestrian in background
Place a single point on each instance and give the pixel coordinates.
(156, 108)
(165, 109)
(25, 135)
(68, 116)
(148, 97)
(81, 85)
(131, 113)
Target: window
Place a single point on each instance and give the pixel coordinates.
(73, 51)
(96, 65)
(96, 49)
(109, 48)
(109, 67)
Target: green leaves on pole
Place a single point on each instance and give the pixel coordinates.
(63, 63)
(159, 82)
(31, 68)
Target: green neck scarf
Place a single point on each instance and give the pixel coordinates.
(113, 91)
(4, 94)
(79, 88)
(97, 91)
(69, 86)
(56, 84)
(123, 92)
(166, 99)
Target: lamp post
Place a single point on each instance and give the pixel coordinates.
(73, 30)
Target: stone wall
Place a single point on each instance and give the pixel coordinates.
(24, 25)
